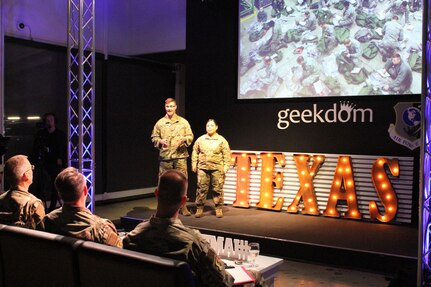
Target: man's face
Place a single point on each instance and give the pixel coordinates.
(29, 171)
(171, 109)
(49, 121)
(396, 60)
(267, 61)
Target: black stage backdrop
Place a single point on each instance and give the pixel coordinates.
(211, 88)
(130, 96)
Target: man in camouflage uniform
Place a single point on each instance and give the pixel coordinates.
(348, 17)
(353, 51)
(17, 206)
(400, 74)
(399, 8)
(211, 160)
(310, 72)
(393, 34)
(74, 219)
(165, 235)
(328, 41)
(172, 135)
(308, 23)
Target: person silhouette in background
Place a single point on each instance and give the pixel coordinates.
(50, 152)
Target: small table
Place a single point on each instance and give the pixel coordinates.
(267, 265)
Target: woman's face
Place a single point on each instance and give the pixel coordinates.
(211, 128)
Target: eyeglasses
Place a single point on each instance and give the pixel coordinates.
(31, 167)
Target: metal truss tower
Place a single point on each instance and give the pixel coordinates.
(81, 89)
(424, 268)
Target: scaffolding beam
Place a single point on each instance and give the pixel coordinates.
(81, 90)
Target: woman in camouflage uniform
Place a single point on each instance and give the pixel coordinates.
(210, 159)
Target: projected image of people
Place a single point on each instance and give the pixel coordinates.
(318, 48)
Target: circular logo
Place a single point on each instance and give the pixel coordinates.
(412, 116)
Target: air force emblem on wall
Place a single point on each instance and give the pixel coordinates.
(407, 129)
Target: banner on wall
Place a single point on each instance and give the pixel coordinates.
(361, 187)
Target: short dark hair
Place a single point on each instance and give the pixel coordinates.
(45, 115)
(396, 55)
(170, 100)
(14, 169)
(212, 120)
(70, 184)
(172, 187)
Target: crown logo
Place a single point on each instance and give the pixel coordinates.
(347, 106)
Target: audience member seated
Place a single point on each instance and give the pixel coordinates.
(73, 218)
(17, 206)
(165, 235)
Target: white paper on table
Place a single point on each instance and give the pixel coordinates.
(383, 73)
(379, 31)
(240, 274)
(356, 70)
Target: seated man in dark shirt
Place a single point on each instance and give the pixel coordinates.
(74, 219)
(165, 235)
(17, 206)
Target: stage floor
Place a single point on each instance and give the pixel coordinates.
(349, 243)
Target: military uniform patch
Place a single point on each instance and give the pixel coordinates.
(407, 128)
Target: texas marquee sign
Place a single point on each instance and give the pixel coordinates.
(357, 187)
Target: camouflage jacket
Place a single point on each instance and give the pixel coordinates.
(211, 153)
(170, 238)
(80, 223)
(21, 208)
(173, 130)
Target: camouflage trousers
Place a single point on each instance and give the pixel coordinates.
(207, 179)
(178, 164)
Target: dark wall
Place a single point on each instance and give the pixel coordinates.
(135, 94)
(35, 83)
(211, 92)
(130, 96)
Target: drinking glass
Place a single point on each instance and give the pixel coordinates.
(254, 252)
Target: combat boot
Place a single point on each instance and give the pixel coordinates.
(199, 212)
(219, 212)
(185, 211)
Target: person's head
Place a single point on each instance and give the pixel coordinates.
(306, 14)
(300, 60)
(395, 18)
(346, 4)
(404, 4)
(49, 120)
(170, 107)
(171, 193)
(396, 58)
(347, 42)
(71, 186)
(18, 172)
(211, 127)
(267, 60)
